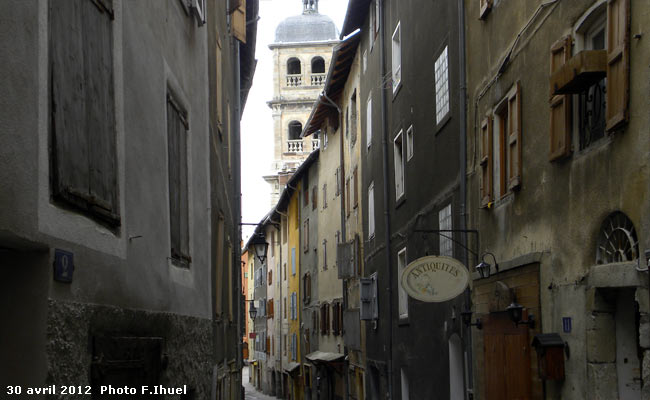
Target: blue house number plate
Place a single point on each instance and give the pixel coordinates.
(63, 265)
(566, 324)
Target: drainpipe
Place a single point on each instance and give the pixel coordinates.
(343, 235)
(463, 183)
(384, 148)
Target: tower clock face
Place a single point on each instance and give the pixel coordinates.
(617, 241)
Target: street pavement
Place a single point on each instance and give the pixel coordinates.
(251, 392)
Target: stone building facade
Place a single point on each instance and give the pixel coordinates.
(558, 179)
(120, 169)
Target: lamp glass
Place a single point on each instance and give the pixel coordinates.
(483, 269)
(515, 312)
(252, 311)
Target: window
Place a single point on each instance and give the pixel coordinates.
(295, 129)
(314, 321)
(592, 102)
(314, 197)
(294, 347)
(285, 271)
(325, 140)
(83, 158)
(285, 344)
(445, 224)
(285, 307)
(293, 66)
(293, 261)
(409, 143)
(294, 306)
(398, 157)
(324, 196)
(270, 278)
(305, 236)
(305, 196)
(441, 73)
(353, 118)
(397, 58)
(371, 210)
(369, 122)
(317, 65)
(178, 183)
(324, 254)
(403, 299)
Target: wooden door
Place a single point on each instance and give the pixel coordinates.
(507, 358)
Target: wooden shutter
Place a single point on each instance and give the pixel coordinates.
(83, 112)
(347, 196)
(355, 187)
(618, 63)
(514, 137)
(314, 197)
(484, 8)
(486, 161)
(238, 20)
(560, 125)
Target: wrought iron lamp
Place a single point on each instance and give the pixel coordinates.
(467, 320)
(252, 311)
(483, 268)
(516, 311)
(260, 246)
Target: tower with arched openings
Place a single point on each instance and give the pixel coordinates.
(301, 56)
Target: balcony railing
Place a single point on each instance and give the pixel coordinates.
(294, 146)
(315, 143)
(294, 80)
(318, 79)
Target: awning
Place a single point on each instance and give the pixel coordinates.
(292, 366)
(324, 356)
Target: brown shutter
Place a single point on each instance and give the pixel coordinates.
(560, 125)
(314, 198)
(355, 185)
(239, 22)
(618, 62)
(486, 161)
(81, 54)
(347, 196)
(514, 137)
(484, 8)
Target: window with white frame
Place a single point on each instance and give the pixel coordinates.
(444, 224)
(409, 143)
(441, 74)
(369, 122)
(371, 210)
(398, 157)
(397, 57)
(403, 296)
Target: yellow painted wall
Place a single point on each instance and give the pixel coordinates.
(293, 213)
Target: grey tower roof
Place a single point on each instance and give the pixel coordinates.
(307, 27)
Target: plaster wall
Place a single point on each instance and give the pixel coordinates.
(561, 205)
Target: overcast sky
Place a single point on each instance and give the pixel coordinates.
(257, 124)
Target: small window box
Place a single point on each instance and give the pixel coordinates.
(581, 71)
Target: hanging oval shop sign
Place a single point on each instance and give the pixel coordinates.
(434, 279)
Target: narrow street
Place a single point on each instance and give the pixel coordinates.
(251, 392)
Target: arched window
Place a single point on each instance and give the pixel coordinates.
(293, 66)
(617, 240)
(295, 129)
(317, 65)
